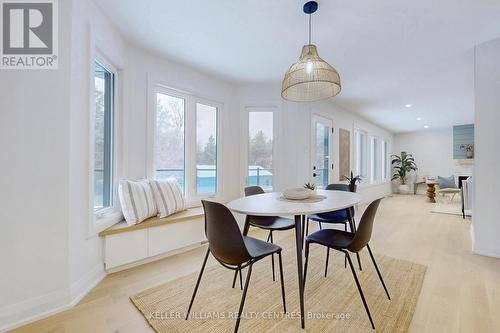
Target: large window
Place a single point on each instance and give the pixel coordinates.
(185, 142)
(375, 169)
(360, 153)
(260, 149)
(103, 136)
(206, 149)
(169, 138)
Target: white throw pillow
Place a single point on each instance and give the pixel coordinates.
(137, 201)
(168, 196)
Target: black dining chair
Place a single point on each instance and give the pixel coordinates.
(335, 217)
(233, 250)
(271, 223)
(347, 242)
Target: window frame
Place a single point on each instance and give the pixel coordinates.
(106, 217)
(176, 94)
(357, 163)
(386, 160)
(244, 142)
(375, 160)
(218, 108)
(190, 195)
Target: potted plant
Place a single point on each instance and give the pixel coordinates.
(310, 186)
(403, 165)
(352, 180)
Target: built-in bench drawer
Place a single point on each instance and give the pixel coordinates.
(126, 246)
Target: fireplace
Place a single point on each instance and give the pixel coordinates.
(459, 180)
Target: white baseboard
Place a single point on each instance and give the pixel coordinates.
(80, 288)
(37, 308)
(487, 252)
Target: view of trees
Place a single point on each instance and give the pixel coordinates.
(99, 124)
(260, 150)
(206, 155)
(169, 143)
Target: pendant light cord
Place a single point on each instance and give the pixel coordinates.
(309, 29)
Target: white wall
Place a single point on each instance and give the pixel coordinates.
(49, 256)
(49, 249)
(294, 135)
(432, 150)
(144, 71)
(486, 217)
(433, 153)
(34, 190)
(92, 35)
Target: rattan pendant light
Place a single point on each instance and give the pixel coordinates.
(311, 78)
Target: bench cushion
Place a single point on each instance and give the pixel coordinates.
(137, 201)
(168, 196)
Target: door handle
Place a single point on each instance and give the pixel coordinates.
(314, 174)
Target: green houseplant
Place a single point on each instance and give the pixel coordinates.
(403, 165)
(352, 180)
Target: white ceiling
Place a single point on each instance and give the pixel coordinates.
(388, 52)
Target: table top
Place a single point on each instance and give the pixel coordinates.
(269, 204)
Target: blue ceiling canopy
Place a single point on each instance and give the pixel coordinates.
(310, 7)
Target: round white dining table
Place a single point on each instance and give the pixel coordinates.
(272, 204)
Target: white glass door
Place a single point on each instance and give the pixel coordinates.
(321, 151)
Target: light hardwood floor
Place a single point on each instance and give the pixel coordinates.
(461, 291)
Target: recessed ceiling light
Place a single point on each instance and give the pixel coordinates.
(418, 118)
(426, 126)
(408, 105)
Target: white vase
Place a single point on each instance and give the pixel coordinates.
(404, 189)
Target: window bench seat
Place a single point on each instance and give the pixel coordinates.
(127, 246)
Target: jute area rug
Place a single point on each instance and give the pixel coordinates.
(331, 303)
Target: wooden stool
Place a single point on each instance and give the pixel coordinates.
(431, 191)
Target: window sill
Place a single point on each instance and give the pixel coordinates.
(104, 220)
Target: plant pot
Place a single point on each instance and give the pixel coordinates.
(404, 189)
(470, 154)
(353, 187)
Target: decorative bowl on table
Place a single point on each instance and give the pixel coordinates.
(297, 193)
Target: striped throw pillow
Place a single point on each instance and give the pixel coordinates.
(137, 201)
(168, 196)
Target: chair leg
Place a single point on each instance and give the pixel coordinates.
(345, 257)
(327, 257)
(197, 283)
(241, 279)
(243, 299)
(378, 271)
(272, 255)
(359, 261)
(320, 227)
(359, 289)
(282, 282)
(303, 224)
(234, 278)
(307, 226)
(236, 272)
(305, 266)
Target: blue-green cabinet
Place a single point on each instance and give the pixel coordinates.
(463, 138)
